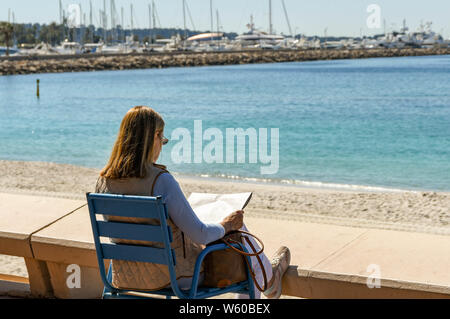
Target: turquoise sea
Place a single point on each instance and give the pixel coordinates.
(350, 123)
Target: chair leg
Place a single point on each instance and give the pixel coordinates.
(251, 289)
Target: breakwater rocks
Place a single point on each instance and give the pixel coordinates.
(79, 63)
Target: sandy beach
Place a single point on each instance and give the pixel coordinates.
(426, 212)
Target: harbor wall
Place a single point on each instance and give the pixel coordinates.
(98, 62)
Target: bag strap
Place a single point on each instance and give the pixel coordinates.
(229, 241)
(154, 181)
(252, 274)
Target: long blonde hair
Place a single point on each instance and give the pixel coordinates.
(133, 148)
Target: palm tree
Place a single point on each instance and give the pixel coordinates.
(6, 29)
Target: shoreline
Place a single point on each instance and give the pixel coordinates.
(308, 185)
(272, 182)
(409, 211)
(85, 63)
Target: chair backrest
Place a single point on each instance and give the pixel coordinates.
(133, 207)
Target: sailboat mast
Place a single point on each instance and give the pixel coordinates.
(90, 12)
(270, 16)
(149, 22)
(123, 23)
(80, 35)
(217, 21)
(111, 5)
(154, 19)
(184, 18)
(60, 12)
(211, 14)
(13, 30)
(211, 11)
(61, 18)
(287, 17)
(104, 21)
(91, 29)
(131, 14)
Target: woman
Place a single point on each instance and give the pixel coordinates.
(132, 170)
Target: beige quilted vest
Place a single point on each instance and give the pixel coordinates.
(141, 275)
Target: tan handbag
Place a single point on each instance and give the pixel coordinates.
(226, 267)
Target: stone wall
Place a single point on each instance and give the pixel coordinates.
(55, 64)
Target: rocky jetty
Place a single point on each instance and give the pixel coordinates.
(80, 63)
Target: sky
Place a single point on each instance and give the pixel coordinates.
(310, 17)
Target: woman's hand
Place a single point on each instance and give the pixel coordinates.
(234, 221)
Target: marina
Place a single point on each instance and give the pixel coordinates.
(76, 36)
(57, 63)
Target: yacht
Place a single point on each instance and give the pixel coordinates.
(206, 42)
(304, 43)
(425, 38)
(112, 49)
(69, 48)
(168, 45)
(93, 47)
(209, 36)
(130, 46)
(39, 49)
(335, 44)
(430, 39)
(259, 39)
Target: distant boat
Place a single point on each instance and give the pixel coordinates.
(92, 47)
(432, 39)
(206, 42)
(167, 45)
(425, 37)
(304, 43)
(111, 49)
(259, 39)
(12, 50)
(209, 36)
(130, 46)
(39, 49)
(69, 48)
(258, 36)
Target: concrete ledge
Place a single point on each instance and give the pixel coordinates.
(69, 253)
(325, 285)
(24, 215)
(52, 234)
(66, 242)
(91, 285)
(14, 286)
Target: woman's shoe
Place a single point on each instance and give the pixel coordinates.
(280, 263)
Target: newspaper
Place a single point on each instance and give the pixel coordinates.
(213, 208)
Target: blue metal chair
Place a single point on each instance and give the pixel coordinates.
(155, 208)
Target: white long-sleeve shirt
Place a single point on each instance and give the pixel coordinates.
(182, 214)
